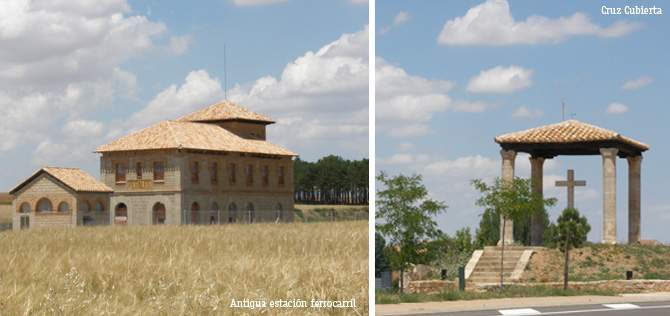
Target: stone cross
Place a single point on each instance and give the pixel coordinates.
(571, 183)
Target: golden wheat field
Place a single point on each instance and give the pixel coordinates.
(183, 270)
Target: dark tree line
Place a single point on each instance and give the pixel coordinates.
(331, 180)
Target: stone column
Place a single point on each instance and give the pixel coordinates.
(536, 174)
(634, 168)
(609, 194)
(507, 174)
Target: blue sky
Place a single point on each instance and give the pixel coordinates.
(453, 94)
(75, 75)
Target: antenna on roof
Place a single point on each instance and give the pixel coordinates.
(225, 74)
(563, 109)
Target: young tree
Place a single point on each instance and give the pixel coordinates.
(511, 200)
(405, 213)
(570, 232)
(381, 263)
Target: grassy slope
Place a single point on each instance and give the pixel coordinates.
(601, 262)
(181, 269)
(509, 291)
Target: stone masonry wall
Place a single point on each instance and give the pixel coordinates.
(45, 186)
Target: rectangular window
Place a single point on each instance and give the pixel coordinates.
(195, 172)
(265, 175)
(233, 172)
(249, 172)
(120, 171)
(138, 171)
(280, 176)
(159, 171)
(214, 172)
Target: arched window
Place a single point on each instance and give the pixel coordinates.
(232, 213)
(84, 207)
(250, 212)
(64, 207)
(195, 209)
(280, 212)
(214, 214)
(121, 214)
(44, 205)
(159, 214)
(99, 207)
(25, 208)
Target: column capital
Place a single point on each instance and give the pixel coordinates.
(634, 159)
(609, 152)
(538, 159)
(508, 154)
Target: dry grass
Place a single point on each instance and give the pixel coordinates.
(5, 213)
(311, 207)
(182, 270)
(601, 262)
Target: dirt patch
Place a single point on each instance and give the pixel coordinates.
(601, 262)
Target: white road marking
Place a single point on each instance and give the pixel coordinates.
(621, 306)
(520, 311)
(584, 311)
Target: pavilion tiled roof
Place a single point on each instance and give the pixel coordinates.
(192, 135)
(570, 131)
(74, 178)
(225, 111)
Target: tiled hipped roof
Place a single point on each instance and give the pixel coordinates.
(191, 135)
(225, 111)
(75, 179)
(571, 131)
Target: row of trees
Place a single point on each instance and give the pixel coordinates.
(331, 180)
(405, 220)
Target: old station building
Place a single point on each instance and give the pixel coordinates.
(213, 166)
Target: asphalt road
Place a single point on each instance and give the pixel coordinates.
(661, 308)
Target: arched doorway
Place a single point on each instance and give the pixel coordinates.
(232, 213)
(158, 214)
(24, 212)
(195, 210)
(214, 214)
(121, 214)
(251, 212)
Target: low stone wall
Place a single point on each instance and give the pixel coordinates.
(619, 286)
(431, 286)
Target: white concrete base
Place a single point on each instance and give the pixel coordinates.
(472, 263)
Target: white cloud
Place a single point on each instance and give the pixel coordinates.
(501, 79)
(404, 159)
(83, 128)
(525, 112)
(320, 98)
(359, 1)
(179, 44)
(637, 83)
(406, 103)
(257, 2)
(197, 91)
(401, 18)
(61, 61)
(617, 108)
(492, 23)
